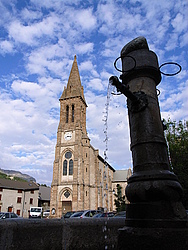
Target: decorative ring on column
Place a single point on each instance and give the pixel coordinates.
(118, 93)
(124, 71)
(158, 92)
(168, 74)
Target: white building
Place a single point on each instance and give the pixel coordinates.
(18, 196)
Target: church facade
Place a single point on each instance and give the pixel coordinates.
(81, 177)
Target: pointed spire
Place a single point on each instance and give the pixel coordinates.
(74, 78)
(74, 87)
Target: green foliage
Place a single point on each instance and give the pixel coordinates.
(120, 201)
(19, 179)
(177, 138)
(5, 176)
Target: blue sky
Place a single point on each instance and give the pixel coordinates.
(38, 41)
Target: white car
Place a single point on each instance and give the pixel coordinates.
(46, 213)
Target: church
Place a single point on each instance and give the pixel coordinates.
(82, 179)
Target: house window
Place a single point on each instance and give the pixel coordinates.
(19, 191)
(31, 201)
(18, 211)
(67, 114)
(73, 113)
(19, 199)
(0, 197)
(65, 167)
(86, 193)
(32, 192)
(1, 190)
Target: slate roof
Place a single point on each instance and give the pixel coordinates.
(44, 193)
(121, 175)
(15, 185)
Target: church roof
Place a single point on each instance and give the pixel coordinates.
(121, 175)
(74, 87)
(102, 160)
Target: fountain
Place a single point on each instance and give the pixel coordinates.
(155, 214)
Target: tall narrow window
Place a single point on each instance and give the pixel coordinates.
(71, 167)
(73, 113)
(19, 199)
(65, 167)
(68, 163)
(67, 114)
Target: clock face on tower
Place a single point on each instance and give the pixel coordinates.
(67, 136)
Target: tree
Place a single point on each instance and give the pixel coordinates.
(120, 201)
(177, 139)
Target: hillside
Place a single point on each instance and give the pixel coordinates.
(15, 175)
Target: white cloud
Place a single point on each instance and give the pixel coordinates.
(88, 66)
(6, 47)
(50, 58)
(84, 48)
(29, 34)
(29, 15)
(96, 84)
(86, 19)
(179, 23)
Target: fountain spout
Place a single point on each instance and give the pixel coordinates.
(138, 100)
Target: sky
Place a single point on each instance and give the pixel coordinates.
(38, 41)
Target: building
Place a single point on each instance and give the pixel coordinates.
(44, 197)
(120, 177)
(18, 196)
(81, 177)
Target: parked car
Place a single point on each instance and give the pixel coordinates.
(121, 214)
(35, 212)
(104, 215)
(76, 214)
(98, 215)
(46, 213)
(8, 215)
(67, 214)
(89, 213)
(85, 214)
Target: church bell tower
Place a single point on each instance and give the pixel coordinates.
(72, 150)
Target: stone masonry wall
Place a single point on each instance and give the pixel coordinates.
(59, 234)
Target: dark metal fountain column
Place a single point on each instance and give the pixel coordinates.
(153, 191)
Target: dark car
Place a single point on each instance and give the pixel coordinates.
(121, 214)
(9, 215)
(68, 214)
(77, 214)
(104, 215)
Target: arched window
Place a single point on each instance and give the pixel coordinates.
(65, 167)
(73, 113)
(68, 164)
(67, 114)
(71, 167)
